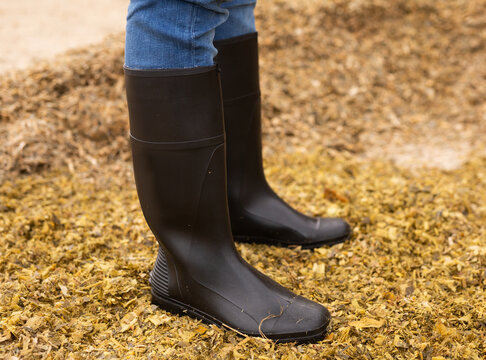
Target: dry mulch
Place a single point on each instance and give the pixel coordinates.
(344, 83)
(410, 284)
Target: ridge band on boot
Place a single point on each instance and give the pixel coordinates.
(257, 213)
(178, 151)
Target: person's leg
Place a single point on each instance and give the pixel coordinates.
(241, 19)
(178, 153)
(167, 34)
(257, 213)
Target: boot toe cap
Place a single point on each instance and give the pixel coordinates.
(332, 231)
(303, 320)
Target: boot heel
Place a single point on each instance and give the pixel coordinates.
(159, 276)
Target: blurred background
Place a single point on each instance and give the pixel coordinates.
(39, 29)
(400, 80)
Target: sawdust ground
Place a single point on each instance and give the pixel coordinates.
(409, 285)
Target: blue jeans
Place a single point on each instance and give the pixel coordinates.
(168, 34)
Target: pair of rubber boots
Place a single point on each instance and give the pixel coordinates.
(199, 189)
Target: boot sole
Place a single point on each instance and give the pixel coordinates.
(276, 242)
(179, 308)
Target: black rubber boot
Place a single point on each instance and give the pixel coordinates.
(178, 149)
(257, 213)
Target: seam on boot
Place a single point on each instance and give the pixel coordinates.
(180, 145)
(253, 93)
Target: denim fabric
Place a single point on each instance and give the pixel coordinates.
(168, 34)
(241, 19)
